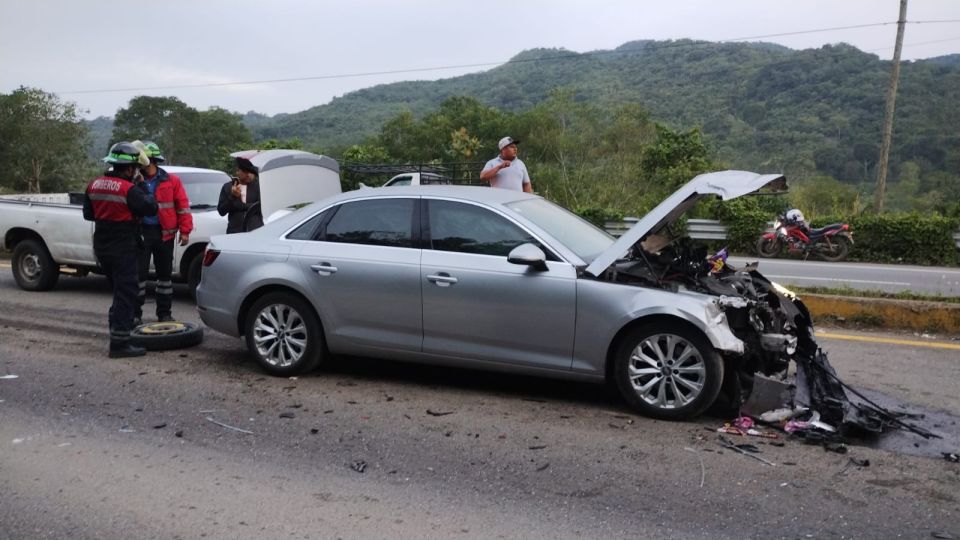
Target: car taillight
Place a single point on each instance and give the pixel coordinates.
(209, 256)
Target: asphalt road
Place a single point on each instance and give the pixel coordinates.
(92, 447)
(864, 276)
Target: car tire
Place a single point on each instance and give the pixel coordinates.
(33, 267)
(194, 271)
(163, 336)
(284, 335)
(667, 371)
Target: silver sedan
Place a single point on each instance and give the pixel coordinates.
(498, 280)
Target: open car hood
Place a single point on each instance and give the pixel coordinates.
(724, 184)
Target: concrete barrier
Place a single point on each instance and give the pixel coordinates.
(920, 316)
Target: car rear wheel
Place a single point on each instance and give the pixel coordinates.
(668, 371)
(33, 267)
(284, 334)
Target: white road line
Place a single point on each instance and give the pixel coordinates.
(840, 280)
(864, 266)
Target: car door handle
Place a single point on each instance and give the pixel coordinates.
(324, 269)
(442, 279)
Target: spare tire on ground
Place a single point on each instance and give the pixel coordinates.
(162, 336)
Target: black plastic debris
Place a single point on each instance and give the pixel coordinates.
(837, 447)
(359, 466)
(287, 414)
(952, 457)
(314, 431)
(179, 434)
(543, 467)
(438, 413)
(160, 426)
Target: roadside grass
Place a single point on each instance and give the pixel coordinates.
(873, 293)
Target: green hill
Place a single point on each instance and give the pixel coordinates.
(761, 106)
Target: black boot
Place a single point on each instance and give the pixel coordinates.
(125, 350)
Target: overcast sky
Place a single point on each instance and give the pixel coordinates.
(70, 46)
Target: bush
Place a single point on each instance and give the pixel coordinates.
(886, 238)
(598, 216)
(902, 238)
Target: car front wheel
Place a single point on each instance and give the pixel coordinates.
(284, 335)
(668, 371)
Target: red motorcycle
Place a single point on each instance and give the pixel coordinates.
(831, 243)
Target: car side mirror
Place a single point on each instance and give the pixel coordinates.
(528, 255)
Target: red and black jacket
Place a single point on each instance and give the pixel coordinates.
(116, 205)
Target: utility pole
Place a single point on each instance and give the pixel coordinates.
(888, 115)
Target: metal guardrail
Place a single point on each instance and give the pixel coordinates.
(698, 229)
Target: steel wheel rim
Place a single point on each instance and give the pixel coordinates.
(280, 335)
(30, 266)
(667, 371)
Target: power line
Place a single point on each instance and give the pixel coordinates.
(481, 64)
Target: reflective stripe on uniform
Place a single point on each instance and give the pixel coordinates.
(165, 204)
(183, 211)
(169, 231)
(110, 198)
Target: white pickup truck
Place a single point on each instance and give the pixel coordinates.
(48, 235)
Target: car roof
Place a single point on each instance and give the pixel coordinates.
(177, 169)
(480, 194)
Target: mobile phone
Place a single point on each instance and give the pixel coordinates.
(235, 180)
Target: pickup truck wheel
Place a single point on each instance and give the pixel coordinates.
(33, 268)
(668, 371)
(193, 274)
(284, 334)
(162, 336)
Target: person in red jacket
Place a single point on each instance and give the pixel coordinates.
(116, 201)
(160, 231)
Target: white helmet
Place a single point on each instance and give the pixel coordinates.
(795, 216)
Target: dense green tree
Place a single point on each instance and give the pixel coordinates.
(185, 135)
(42, 142)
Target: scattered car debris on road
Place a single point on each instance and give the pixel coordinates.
(287, 414)
(703, 470)
(438, 413)
(728, 444)
(359, 466)
(952, 457)
(221, 424)
(9, 376)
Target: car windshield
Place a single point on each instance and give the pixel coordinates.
(203, 188)
(577, 234)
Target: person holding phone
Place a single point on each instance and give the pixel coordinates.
(240, 199)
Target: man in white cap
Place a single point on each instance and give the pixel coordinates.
(506, 170)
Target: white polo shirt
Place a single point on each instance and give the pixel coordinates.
(513, 177)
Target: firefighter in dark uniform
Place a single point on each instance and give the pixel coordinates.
(116, 201)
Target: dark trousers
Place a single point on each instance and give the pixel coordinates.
(121, 271)
(162, 254)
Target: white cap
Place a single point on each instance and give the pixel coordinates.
(507, 141)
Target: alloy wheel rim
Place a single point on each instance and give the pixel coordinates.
(280, 335)
(667, 371)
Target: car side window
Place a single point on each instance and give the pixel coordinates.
(402, 181)
(308, 229)
(378, 222)
(466, 228)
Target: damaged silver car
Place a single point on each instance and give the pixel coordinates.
(502, 280)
